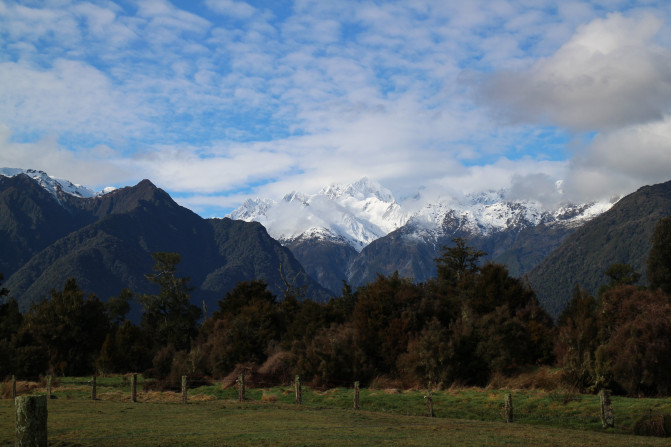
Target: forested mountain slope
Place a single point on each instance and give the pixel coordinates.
(106, 242)
(620, 235)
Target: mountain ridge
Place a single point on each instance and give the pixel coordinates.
(414, 238)
(556, 250)
(620, 235)
(106, 242)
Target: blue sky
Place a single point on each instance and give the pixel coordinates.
(219, 100)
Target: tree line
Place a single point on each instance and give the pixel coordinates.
(471, 322)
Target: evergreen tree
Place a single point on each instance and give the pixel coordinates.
(458, 261)
(577, 339)
(248, 322)
(69, 327)
(168, 317)
(118, 307)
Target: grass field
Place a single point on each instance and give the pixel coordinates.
(470, 417)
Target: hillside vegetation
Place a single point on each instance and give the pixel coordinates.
(620, 235)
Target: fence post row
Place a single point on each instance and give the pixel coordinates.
(607, 419)
(94, 389)
(299, 392)
(509, 407)
(241, 387)
(133, 388)
(31, 421)
(356, 395)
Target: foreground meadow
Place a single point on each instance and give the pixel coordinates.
(469, 417)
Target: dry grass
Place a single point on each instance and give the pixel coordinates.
(543, 378)
(22, 387)
(385, 383)
(268, 397)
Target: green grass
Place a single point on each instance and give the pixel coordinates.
(389, 417)
(79, 422)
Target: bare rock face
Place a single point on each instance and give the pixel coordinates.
(31, 421)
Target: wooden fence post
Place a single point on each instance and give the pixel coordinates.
(356, 395)
(13, 386)
(133, 388)
(429, 402)
(241, 387)
(49, 377)
(31, 421)
(299, 391)
(184, 396)
(509, 407)
(94, 388)
(607, 419)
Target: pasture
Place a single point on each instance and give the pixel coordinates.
(213, 416)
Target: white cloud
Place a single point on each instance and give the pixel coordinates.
(610, 74)
(103, 167)
(241, 10)
(259, 99)
(619, 161)
(71, 96)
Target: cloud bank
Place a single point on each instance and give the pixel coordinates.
(218, 100)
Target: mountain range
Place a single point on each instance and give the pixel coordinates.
(51, 230)
(355, 232)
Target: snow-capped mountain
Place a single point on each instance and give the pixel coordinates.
(365, 211)
(354, 232)
(487, 213)
(55, 186)
(356, 214)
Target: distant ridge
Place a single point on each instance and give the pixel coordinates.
(620, 235)
(105, 241)
(355, 232)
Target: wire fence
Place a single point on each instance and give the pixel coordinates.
(527, 407)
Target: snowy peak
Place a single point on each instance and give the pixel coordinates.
(358, 213)
(56, 187)
(364, 211)
(486, 213)
(361, 190)
(252, 210)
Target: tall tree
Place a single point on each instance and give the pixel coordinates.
(384, 317)
(458, 261)
(70, 327)
(247, 323)
(577, 339)
(118, 307)
(659, 258)
(168, 317)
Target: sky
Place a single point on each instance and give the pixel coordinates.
(216, 101)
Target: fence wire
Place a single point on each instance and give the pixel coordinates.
(446, 404)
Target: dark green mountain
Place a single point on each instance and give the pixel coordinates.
(31, 219)
(620, 235)
(520, 248)
(106, 244)
(326, 261)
